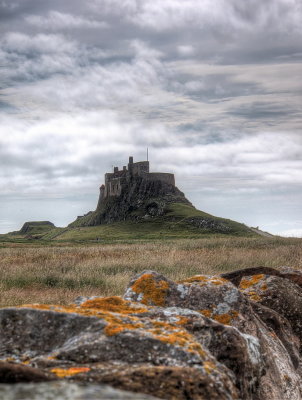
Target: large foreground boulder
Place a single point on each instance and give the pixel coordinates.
(219, 299)
(207, 337)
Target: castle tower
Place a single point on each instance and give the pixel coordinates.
(115, 181)
(130, 165)
(102, 194)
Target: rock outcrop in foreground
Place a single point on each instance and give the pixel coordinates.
(228, 337)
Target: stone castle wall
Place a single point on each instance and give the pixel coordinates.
(161, 176)
(114, 187)
(115, 180)
(140, 168)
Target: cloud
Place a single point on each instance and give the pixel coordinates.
(57, 74)
(219, 19)
(26, 58)
(55, 20)
(67, 151)
(292, 233)
(74, 149)
(19, 43)
(186, 50)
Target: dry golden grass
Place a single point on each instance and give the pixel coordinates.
(35, 274)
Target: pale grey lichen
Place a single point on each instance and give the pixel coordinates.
(231, 296)
(177, 311)
(183, 290)
(129, 294)
(140, 297)
(222, 308)
(253, 347)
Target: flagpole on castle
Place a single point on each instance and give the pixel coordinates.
(147, 155)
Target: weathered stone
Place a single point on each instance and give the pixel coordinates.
(278, 293)
(207, 223)
(238, 352)
(79, 339)
(283, 272)
(282, 329)
(220, 300)
(13, 373)
(212, 296)
(174, 383)
(202, 338)
(66, 390)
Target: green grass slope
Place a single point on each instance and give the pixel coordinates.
(36, 228)
(30, 231)
(179, 221)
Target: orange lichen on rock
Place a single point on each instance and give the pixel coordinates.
(115, 327)
(234, 313)
(175, 338)
(247, 286)
(217, 280)
(196, 348)
(94, 307)
(195, 279)
(264, 287)
(51, 357)
(253, 280)
(115, 323)
(182, 321)
(154, 291)
(209, 366)
(111, 330)
(225, 319)
(174, 335)
(113, 304)
(116, 313)
(253, 296)
(206, 313)
(203, 279)
(63, 373)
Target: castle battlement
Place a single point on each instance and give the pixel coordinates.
(114, 181)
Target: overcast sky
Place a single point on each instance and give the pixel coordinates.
(212, 87)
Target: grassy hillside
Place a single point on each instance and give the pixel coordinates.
(31, 230)
(180, 221)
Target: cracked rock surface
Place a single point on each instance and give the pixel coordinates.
(235, 336)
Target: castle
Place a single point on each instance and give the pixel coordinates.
(114, 181)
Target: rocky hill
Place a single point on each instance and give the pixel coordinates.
(224, 337)
(153, 203)
(34, 227)
(135, 203)
(139, 199)
(32, 230)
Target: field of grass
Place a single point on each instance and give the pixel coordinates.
(58, 273)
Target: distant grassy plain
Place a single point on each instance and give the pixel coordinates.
(59, 272)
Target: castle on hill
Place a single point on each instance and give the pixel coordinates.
(116, 180)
